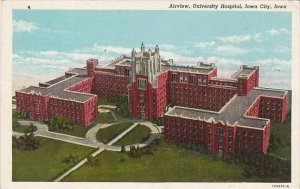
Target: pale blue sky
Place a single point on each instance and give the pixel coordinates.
(47, 42)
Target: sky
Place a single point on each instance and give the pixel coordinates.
(46, 43)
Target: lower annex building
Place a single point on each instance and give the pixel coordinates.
(225, 115)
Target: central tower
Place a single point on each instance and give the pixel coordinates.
(146, 67)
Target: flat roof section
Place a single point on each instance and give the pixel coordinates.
(56, 80)
(119, 61)
(233, 111)
(58, 89)
(201, 70)
(244, 72)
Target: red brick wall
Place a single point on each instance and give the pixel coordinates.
(141, 100)
(223, 82)
(84, 86)
(35, 105)
(214, 137)
(253, 110)
(249, 139)
(91, 66)
(71, 110)
(90, 110)
(199, 96)
(273, 108)
(106, 84)
(160, 95)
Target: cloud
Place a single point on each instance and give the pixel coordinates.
(49, 64)
(272, 62)
(204, 45)
(167, 46)
(282, 49)
(106, 49)
(230, 50)
(24, 26)
(241, 38)
(277, 32)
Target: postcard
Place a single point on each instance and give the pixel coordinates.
(150, 94)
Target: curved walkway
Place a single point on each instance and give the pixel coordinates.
(90, 138)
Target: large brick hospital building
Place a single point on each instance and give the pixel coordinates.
(224, 115)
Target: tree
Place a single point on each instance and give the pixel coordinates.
(123, 148)
(26, 142)
(93, 161)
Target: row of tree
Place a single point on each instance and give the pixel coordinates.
(256, 163)
(137, 151)
(159, 121)
(25, 142)
(56, 123)
(192, 146)
(16, 116)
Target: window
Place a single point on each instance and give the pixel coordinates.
(142, 83)
(185, 78)
(174, 77)
(127, 72)
(193, 79)
(199, 80)
(181, 79)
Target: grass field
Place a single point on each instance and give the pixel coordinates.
(167, 164)
(44, 163)
(107, 134)
(22, 129)
(283, 131)
(104, 118)
(136, 135)
(77, 130)
(103, 101)
(122, 117)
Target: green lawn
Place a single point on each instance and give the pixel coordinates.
(136, 135)
(44, 163)
(77, 130)
(115, 102)
(103, 101)
(283, 131)
(121, 117)
(104, 118)
(22, 129)
(109, 133)
(166, 165)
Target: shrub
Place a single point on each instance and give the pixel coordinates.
(25, 142)
(71, 159)
(123, 149)
(93, 161)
